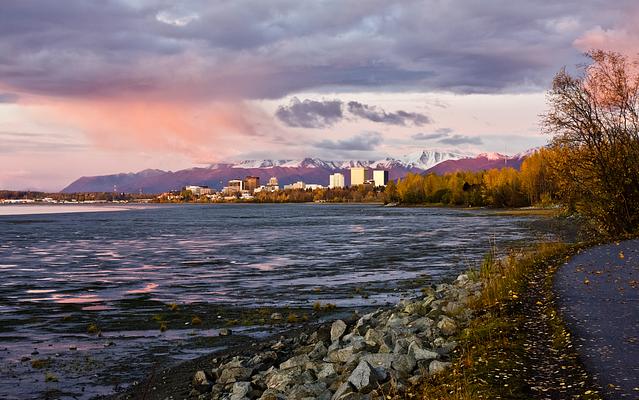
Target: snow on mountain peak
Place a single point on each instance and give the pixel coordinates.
(260, 163)
(423, 159)
(429, 158)
(528, 152)
(492, 156)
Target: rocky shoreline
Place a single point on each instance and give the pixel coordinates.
(369, 357)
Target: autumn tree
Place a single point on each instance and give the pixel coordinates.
(593, 118)
(536, 178)
(390, 193)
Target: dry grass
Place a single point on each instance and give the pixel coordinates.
(541, 212)
(504, 278)
(491, 345)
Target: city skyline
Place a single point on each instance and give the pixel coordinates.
(119, 86)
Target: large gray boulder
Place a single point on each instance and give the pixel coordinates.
(314, 390)
(415, 350)
(240, 390)
(297, 361)
(326, 370)
(231, 375)
(374, 337)
(404, 364)
(379, 360)
(337, 330)
(341, 355)
(318, 352)
(437, 367)
(365, 378)
(280, 380)
(447, 326)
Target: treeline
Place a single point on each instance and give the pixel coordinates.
(358, 194)
(88, 196)
(507, 187)
(20, 195)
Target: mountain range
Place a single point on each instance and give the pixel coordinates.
(309, 170)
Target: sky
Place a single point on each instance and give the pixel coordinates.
(101, 87)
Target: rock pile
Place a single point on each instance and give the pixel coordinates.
(360, 360)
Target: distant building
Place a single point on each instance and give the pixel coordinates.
(358, 176)
(199, 190)
(296, 185)
(313, 186)
(380, 177)
(273, 185)
(336, 180)
(251, 183)
(235, 186)
(267, 188)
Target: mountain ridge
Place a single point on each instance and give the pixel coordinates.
(310, 170)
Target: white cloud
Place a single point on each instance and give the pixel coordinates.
(176, 19)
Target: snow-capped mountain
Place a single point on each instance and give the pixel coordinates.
(492, 156)
(424, 159)
(310, 170)
(428, 159)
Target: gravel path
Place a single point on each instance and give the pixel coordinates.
(598, 296)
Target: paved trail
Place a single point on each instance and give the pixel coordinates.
(598, 295)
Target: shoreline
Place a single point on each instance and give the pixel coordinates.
(433, 343)
(373, 336)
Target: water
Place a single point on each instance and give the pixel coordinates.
(122, 270)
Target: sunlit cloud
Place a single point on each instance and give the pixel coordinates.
(201, 131)
(189, 81)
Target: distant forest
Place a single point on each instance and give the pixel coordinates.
(91, 196)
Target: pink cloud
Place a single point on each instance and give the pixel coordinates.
(623, 38)
(198, 130)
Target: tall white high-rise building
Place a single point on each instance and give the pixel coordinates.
(380, 177)
(336, 180)
(358, 176)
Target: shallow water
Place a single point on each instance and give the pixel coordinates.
(36, 209)
(61, 272)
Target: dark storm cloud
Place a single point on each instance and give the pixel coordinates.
(438, 134)
(8, 98)
(362, 142)
(461, 139)
(376, 114)
(250, 49)
(324, 113)
(310, 113)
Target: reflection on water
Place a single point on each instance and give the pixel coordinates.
(62, 271)
(148, 288)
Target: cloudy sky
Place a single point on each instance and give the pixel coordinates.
(96, 87)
